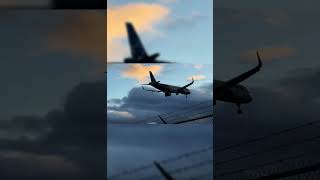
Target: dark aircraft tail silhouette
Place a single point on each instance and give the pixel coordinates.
(136, 46)
(138, 52)
(153, 80)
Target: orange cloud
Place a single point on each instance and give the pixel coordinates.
(140, 72)
(144, 16)
(270, 53)
(81, 33)
(277, 18)
(197, 77)
(124, 114)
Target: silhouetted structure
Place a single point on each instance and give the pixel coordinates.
(231, 91)
(167, 89)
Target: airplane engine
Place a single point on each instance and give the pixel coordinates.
(167, 94)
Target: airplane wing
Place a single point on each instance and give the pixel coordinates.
(244, 76)
(187, 85)
(151, 89)
(136, 46)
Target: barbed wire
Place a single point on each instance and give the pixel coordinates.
(268, 150)
(220, 149)
(166, 161)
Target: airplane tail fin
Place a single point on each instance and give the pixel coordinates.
(136, 46)
(152, 77)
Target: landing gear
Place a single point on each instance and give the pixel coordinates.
(239, 109)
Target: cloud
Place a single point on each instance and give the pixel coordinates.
(52, 163)
(198, 66)
(73, 148)
(123, 114)
(197, 77)
(140, 72)
(142, 104)
(144, 16)
(81, 34)
(270, 53)
(277, 18)
(185, 21)
(27, 4)
(168, 1)
(29, 127)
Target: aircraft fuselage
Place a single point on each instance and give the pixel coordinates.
(168, 89)
(237, 94)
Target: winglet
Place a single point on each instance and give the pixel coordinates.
(259, 59)
(244, 76)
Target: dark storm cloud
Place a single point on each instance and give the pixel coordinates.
(140, 104)
(74, 147)
(23, 126)
(303, 83)
(35, 74)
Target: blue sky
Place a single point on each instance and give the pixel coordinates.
(184, 34)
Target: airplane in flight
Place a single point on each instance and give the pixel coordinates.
(233, 92)
(138, 52)
(167, 89)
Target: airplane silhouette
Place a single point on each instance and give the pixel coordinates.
(138, 52)
(231, 91)
(167, 89)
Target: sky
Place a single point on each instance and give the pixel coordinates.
(131, 146)
(46, 56)
(51, 70)
(181, 32)
(126, 99)
(285, 91)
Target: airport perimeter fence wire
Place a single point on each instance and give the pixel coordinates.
(301, 141)
(181, 169)
(265, 164)
(195, 112)
(314, 138)
(276, 133)
(296, 173)
(163, 162)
